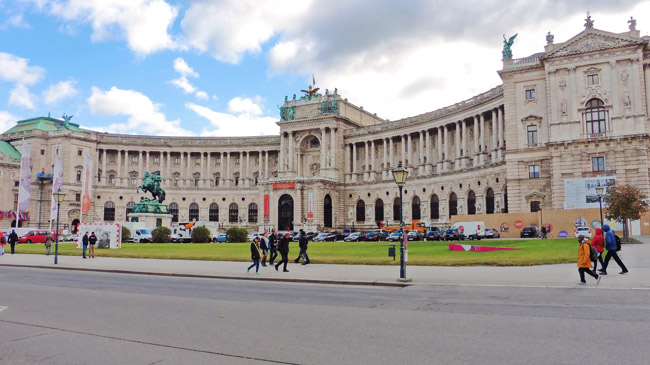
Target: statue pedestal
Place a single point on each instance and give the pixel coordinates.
(151, 219)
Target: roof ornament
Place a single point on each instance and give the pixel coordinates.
(549, 38)
(632, 23)
(507, 44)
(311, 91)
(66, 120)
(588, 22)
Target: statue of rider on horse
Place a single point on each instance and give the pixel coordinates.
(151, 184)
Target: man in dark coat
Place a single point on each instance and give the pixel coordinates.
(283, 247)
(302, 243)
(13, 239)
(273, 246)
(84, 242)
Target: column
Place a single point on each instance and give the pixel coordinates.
(465, 157)
(228, 174)
(403, 154)
(333, 148)
(291, 152)
(384, 169)
(421, 158)
(248, 169)
(476, 147)
(391, 160)
(181, 169)
(266, 165)
(427, 152)
(104, 172)
(147, 165)
(366, 172)
(281, 154)
(118, 173)
(409, 153)
(481, 138)
(208, 170)
(439, 147)
(373, 166)
(168, 174)
(445, 163)
(354, 162)
(500, 134)
(347, 165)
(457, 143)
(493, 152)
(323, 150)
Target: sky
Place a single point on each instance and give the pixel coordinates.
(223, 67)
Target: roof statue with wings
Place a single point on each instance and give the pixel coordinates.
(507, 44)
(311, 90)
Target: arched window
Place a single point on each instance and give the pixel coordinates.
(471, 202)
(129, 208)
(173, 210)
(415, 209)
(435, 207)
(214, 213)
(396, 212)
(109, 211)
(453, 204)
(361, 211)
(194, 212)
(233, 213)
(252, 213)
(379, 210)
(595, 116)
(489, 201)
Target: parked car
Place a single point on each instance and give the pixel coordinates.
(585, 231)
(394, 236)
(453, 234)
(70, 237)
(414, 236)
(377, 235)
(528, 232)
(344, 234)
(252, 235)
(325, 236)
(35, 236)
(221, 237)
(492, 233)
(433, 234)
(354, 237)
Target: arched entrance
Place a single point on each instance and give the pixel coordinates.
(453, 205)
(471, 202)
(75, 226)
(379, 211)
(285, 213)
(489, 201)
(327, 211)
(435, 207)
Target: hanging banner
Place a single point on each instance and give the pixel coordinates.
(24, 191)
(267, 208)
(86, 184)
(310, 205)
(290, 185)
(57, 182)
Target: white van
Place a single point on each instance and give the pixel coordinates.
(470, 230)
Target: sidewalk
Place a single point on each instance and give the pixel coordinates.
(635, 257)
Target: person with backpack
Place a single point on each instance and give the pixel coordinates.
(283, 248)
(584, 261)
(264, 245)
(13, 239)
(255, 255)
(302, 243)
(3, 242)
(598, 243)
(613, 245)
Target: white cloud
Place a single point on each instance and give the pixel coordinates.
(7, 120)
(14, 21)
(20, 96)
(184, 84)
(245, 106)
(144, 115)
(59, 91)
(183, 68)
(143, 23)
(245, 123)
(16, 69)
(202, 95)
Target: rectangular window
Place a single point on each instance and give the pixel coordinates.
(534, 206)
(134, 180)
(196, 182)
(177, 160)
(533, 172)
(42, 152)
(597, 164)
(530, 94)
(156, 160)
(111, 179)
(79, 152)
(592, 79)
(532, 135)
(134, 158)
(77, 197)
(78, 175)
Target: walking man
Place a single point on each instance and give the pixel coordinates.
(283, 247)
(264, 245)
(273, 246)
(48, 243)
(302, 243)
(255, 255)
(92, 240)
(610, 244)
(84, 242)
(584, 262)
(13, 239)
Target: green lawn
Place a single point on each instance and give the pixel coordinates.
(531, 252)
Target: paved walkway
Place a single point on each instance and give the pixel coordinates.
(635, 257)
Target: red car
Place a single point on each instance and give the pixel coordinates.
(35, 236)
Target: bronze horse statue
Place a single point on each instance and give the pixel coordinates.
(151, 184)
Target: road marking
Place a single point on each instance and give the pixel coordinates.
(2, 308)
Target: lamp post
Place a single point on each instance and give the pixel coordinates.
(58, 197)
(541, 218)
(599, 192)
(400, 174)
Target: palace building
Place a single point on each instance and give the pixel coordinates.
(564, 120)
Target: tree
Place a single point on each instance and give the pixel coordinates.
(237, 234)
(126, 234)
(201, 235)
(625, 202)
(161, 235)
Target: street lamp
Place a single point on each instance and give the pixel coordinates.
(599, 191)
(400, 174)
(58, 198)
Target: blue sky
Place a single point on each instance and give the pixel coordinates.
(221, 68)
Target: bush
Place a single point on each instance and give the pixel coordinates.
(126, 234)
(201, 235)
(161, 235)
(237, 234)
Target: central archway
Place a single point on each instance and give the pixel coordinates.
(285, 213)
(327, 211)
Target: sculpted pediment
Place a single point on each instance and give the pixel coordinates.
(592, 40)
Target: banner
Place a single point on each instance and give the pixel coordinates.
(310, 205)
(87, 184)
(267, 206)
(57, 182)
(24, 191)
(581, 192)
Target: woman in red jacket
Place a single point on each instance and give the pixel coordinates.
(584, 262)
(598, 242)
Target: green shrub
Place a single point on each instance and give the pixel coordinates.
(237, 234)
(161, 235)
(201, 235)
(126, 234)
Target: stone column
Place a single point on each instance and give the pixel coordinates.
(354, 162)
(465, 157)
(168, 173)
(445, 163)
(373, 167)
(248, 168)
(291, 152)
(493, 151)
(403, 156)
(281, 154)
(323, 149)
(440, 151)
(384, 169)
(421, 158)
(427, 152)
(147, 165)
(457, 143)
(409, 154)
(266, 165)
(118, 173)
(366, 165)
(333, 148)
(104, 172)
(208, 170)
(500, 127)
(476, 139)
(482, 139)
(348, 164)
(391, 153)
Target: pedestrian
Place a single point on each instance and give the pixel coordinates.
(273, 246)
(302, 243)
(283, 248)
(3, 242)
(610, 244)
(13, 239)
(48, 243)
(255, 255)
(84, 242)
(584, 262)
(91, 241)
(598, 243)
(543, 232)
(264, 245)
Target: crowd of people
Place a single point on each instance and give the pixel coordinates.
(271, 243)
(604, 238)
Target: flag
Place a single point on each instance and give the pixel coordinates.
(24, 191)
(86, 184)
(313, 79)
(57, 182)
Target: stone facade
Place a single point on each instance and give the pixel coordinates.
(507, 149)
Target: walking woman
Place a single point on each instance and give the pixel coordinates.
(255, 255)
(584, 262)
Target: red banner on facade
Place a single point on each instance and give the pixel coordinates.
(267, 208)
(291, 185)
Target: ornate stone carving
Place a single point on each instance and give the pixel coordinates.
(625, 76)
(590, 43)
(593, 92)
(627, 102)
(562, 84)
(314, 167)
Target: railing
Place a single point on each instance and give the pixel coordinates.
(521, 62)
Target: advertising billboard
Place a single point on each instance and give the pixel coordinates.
(580, 193)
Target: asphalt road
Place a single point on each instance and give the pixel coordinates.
(68, 317)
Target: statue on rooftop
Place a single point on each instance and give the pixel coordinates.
(588, 22)
(632, 23)
(507, 44)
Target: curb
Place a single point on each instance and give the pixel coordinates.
(224, 277)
